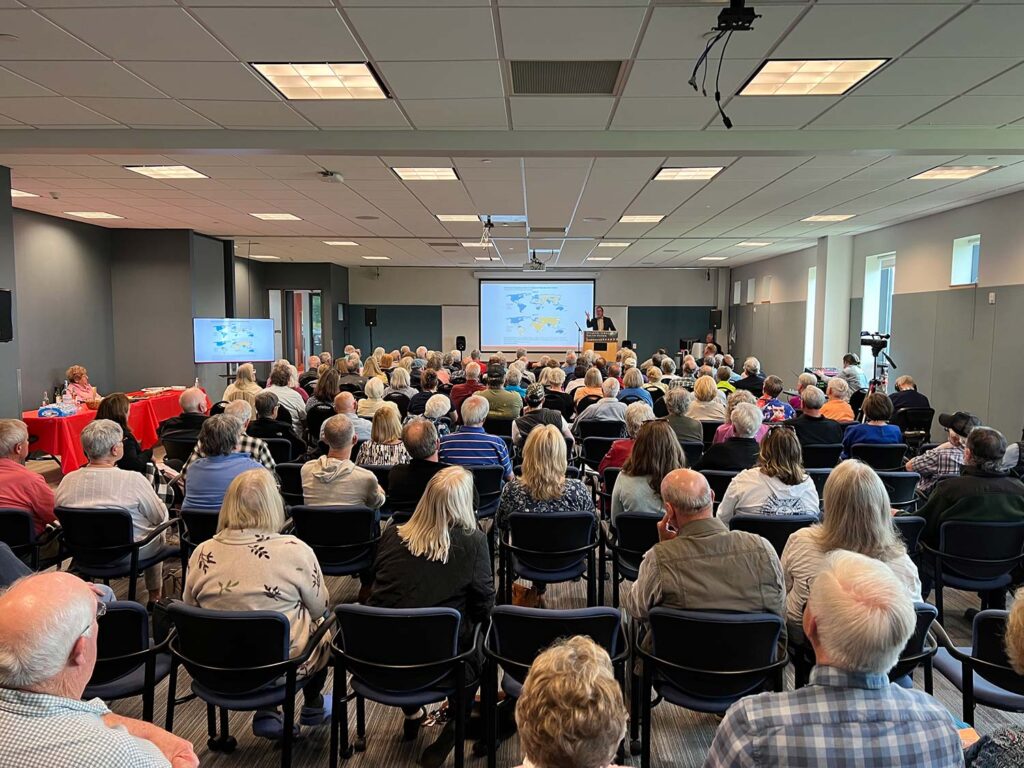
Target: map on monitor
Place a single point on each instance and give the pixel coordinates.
(233, 339)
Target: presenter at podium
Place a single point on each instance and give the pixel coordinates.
(599, 322)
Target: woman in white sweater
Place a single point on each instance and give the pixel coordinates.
(778, 485)
(857, 518)
(707, 404)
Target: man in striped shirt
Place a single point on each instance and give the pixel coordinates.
(471, 446)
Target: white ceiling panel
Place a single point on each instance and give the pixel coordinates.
(148, 113)
(678, 32)
(663, 114)
(216, 81)
(426, 34)
(83, 78)
(443, 79)
(283, 34)
(669, 78)
(496, 197)
(352, 114)
(748, 112)
(970, 111)
(546, 112)
(51, 112)
(247, 114)
(34, 37)
(993, 29)
(1008, 84)
(552, 194)
(924, 77)
(12, 84)
(570, 33)
(877, 111)
(456, 113)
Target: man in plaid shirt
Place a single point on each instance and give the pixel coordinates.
(946, 459)
(253, 446)
(858, 618)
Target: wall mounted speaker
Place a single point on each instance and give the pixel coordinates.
(460, 343)
(715, 320)
(6, 317)
(370, 316)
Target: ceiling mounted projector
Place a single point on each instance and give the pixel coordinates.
(535, 264)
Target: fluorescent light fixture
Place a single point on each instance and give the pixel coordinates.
(754, 243)
(19, 193)
(276, 216)
(712, 258)
(809, 77)
(166, 171)
(323, 81)
(830, 217)
(599, 258)
(954, 172)
(458, 217)
(644, 219)
(487, 258)
(688, 174)
(377, 258)
(426, 174)
(613, 245)
(478, 244)
(263, 257)
(92, 215)
(339, 242)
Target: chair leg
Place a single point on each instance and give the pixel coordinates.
(360, 742)
(172, 686)
(928, 676)
(149, 689)
(337, 694)
(968, 676)
(344, 748)
(289, 720)
(591, 580)
(602, 572)
(211, 723)
(460, 718)
(938, 593)
(645, 716)
(615, 581)
(228, 741)
(489, 710)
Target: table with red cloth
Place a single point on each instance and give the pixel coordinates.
(61, 435)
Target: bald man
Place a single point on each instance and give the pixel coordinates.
(190, 421)
(48, 628)
(345, 404)
(699, 564)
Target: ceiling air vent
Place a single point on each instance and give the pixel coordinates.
(564, 78)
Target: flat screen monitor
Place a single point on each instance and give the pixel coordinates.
(233, 340)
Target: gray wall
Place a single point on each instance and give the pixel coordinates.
(10, 365)
(774, 334)
(209, 295)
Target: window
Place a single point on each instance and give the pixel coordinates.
(879, 282)
(966, 251)
(812, 286)
(751, 290)
(737, 292)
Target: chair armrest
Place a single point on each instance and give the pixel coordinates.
(663, 663)
(50, 534)
(314, 640)
(939, 633)
(174, 521)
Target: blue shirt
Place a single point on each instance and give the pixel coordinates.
(518, 390)
(640, 392)
(841, 719)
(209, 478)
(867, 433)
(776, 410)
(472, 447)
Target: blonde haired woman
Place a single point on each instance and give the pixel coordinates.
(245, 383)
(249, 565)
(374, 400)
(385, 447)
(371, 370)
(591, 385)
(570, 714)
(438, 558)
(707, 404)
(857, 518)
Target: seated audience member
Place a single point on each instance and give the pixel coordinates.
(345, 405)
(947, 459)
(101, 485)
(730, 362)
(741, 451)
(470, 445)
(438, 411)
(438, 558)
(725, 431)
(461, 392)
(907, 396)
(614, 371)
(544, 488)
(350, 379)
(699, 564)
(555, 398)
(723, 376)
(535, 414)
(752, 379)
(428, 385)
(876, 429)
(636, 415)
(334, 480)
(372, 370)
(592, 382)
(514, 379)
(115, 407)
(838, 406)
(707, 404)
(686, 429)
(387, 363)
(20, 487)
(608, 408)
(400, 384)
(327, 388)
(858, 619)
(774, 409)
(654, 379)
(570, 713)
(186, 425)
(668, 372)
(269, 571)
(384, 448)
(1003, 748)
(254, 446)
(439, 364)
(287, 398)
(857, 518)
(803, 381)
(48, 636)
(811, 427)
(570, 363)
(369, 405)
(778, 485)
(656, 452)
(503, 404)
(312, 373)
(633, 386)
(210, 476)
(245, 383)
(576, 380)
(266, 425)
(852, 374)
(407, 482)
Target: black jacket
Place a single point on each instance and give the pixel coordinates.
(263, 428)
(135, 459)
(816, 430)
(908, 398)
(608, 324)
(990, 497)
(733, 455)
(185, 425)
(753, 384)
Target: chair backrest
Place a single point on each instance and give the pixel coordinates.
(595, 448)
(709, 428)
(518, 635)
(635, 533)
(910, 528)
(660, 407)
(400, 400)
(179, 448)
(315, 418)
(585, 402)
(656, 393)
(914, 420)
(881, 456)
(857, 400)
(96, 536)
(376, 648)
(911, 655)
(571, 472)
(552, 542)
(17, 530)
(719, 480)
(218, 408)
(901, 487)
(342, 538)
(610, 476)
(200, 524)
(123, 630)
(500, 427)
(595, 428)
(736, 646)
(488, 480)
(627, 399)
(291, 482)
(988, 645)
(693, 451)
(980, 550)
(223, 650)
(819, 475)
(382, 472)
(821, 456)
(280, 449)
(776, 528)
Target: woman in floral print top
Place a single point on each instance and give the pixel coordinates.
(249, 566)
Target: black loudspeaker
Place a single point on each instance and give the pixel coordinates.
(715, 321)
(370, 316)
(460, 343)
(627, 344)
(6, 317)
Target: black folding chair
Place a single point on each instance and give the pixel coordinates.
(660, 408)
(400, 400)
(719, 480)
(630, 536)
(315, 418)
(178, 449)
(280, 449)
(596, 428)
(629, 399)
(822, 456)
(18, 531)
(880, 456)
(709, 428)
(549, 549)
(775, 528)
(585, 402)
(197, 526)
(916, 425)
(344, 539)
(902, 489)
(499, 427)
(918, 652)
(593, 449)
(910, 528)
(692, 451)
(856, 401)
(819, 477)
(290, 475)
(604, 494)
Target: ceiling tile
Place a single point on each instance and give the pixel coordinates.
(246, 114)
(663, 114)
(994, 29)
(12, 84)
(141, 34)
(283, 34)
(775, 111)
(974, 111)
(921, 77)
(443, 79)
(37, 38)
(1008, 84)
(84, 78)
(456, 113)
(554, 33)
(51, 112)
(661, 78)
(679, 32)
(148, 113)
(217, 81)
(352, 114)
(876, 111)
(546, 112)
(426, 34)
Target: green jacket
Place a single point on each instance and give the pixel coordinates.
(979, 496)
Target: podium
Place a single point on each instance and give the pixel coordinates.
(605, 343)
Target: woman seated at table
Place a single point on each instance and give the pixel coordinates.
(210, 476)
(244, 384)
(656, 452)
(78, 385)
(268, 571)
(115, 407)
(385, 447)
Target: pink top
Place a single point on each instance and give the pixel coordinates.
(21, 488)
(81, 393)
(724, 432)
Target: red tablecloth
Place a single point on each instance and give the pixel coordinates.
(61, 435)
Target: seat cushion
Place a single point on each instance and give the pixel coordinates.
(121, 568)
(549, 577)
(984, 692)
(974, 585)
(393, 699)
(264, 697)
(511, 685)
(130, 684)
(685, 700)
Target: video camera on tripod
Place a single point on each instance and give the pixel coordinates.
(878, 342)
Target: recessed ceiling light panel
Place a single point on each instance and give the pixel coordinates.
(641, 219)
(166, 171)
(712, 258)
(339, 242)
(377, 258)
(458, 217)
(754, 243)
(954, 172)
(613, 245)
(826, 217)
(478, 245)
(92, 215)
(323, 81)
(19, 193)
(599, 258)
(809, 77)
(426, 174)
(263, 257)
(276, 216)
(687, 174)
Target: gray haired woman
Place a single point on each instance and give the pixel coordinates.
(210, 476)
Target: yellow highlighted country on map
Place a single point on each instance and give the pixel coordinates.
(541, 322)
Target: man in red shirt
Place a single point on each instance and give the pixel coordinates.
(20, 487)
